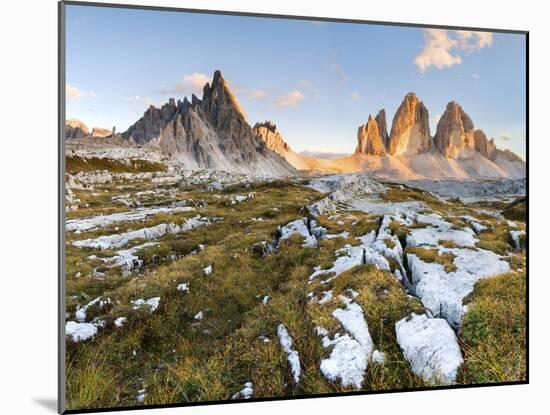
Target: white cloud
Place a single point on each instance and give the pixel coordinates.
(437, 118)
(196, 80)
(290, 99)
(436, 50)
(75, 93)
(475, 76)
(442, 47)
(355, 95)
(337, 69)
(474, 41)
(189, 84)
(257, 94)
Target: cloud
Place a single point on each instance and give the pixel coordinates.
(290, 99)
(337, 69)
(442, 47)
(75, 93)
(436, 51)
(355, 95)
(437, 118)
(196, 80)
(505, 138)
(256, 94)
(475, 76)
(474, 41)
(189, 84)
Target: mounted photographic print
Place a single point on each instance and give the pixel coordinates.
(258, 207)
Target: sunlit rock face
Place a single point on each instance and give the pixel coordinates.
(410, 131)
(272, 138)
(369, 138)
(454, 136)
(98, 132)
(76, 129)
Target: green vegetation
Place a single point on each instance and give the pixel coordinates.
(497, 238)
(517, 210)
(176, 357)
(494, 330)
(75, 164)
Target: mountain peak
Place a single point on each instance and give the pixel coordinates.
(410, 131)
(211, 132)
(270, 125)
(218, 78)
(76, 129)
(369, 139)
(267, 131)
(454, 136)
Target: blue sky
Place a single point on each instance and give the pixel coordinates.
(317, 81)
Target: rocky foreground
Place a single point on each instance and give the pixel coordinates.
(188, 286)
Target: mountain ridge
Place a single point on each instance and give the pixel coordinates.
(213, 133)
(457, 150)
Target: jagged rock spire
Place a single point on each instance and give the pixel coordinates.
(369, 137)
(484, 146)
(211, 132)
(454, 137)
(410, 132)
(274, 141)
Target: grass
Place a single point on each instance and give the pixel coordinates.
(497, 238)
(433, 255)
(177, 358)
(494, 331)
(75, 164)
(91, 385)
(517, 210)
(399, 230)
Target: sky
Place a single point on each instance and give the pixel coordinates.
(318, 81)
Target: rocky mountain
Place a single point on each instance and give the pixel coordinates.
(99, 132)
(267, 131)
(370, 138)
(410, 131)
(382, 127)
(484, 146)
(458, 150)
(75, 129)
(211, 132)
(454, 137)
